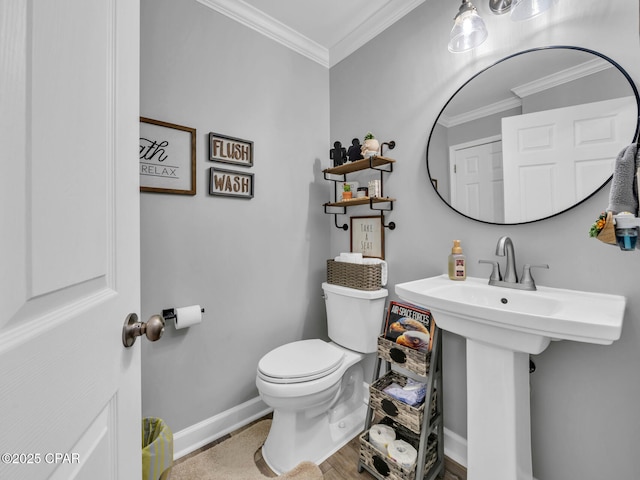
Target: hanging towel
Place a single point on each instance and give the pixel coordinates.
(623, 196)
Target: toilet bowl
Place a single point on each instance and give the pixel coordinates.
(311, 415)
(316, 388)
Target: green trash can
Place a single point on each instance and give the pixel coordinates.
(157, 449)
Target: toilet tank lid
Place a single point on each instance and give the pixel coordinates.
(303, 359)
(353, 292)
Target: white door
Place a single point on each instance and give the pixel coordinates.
(476, 179)
(69, 239)
(556, 158)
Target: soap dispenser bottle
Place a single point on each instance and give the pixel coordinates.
(457, 263)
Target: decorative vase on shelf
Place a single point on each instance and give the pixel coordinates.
(370, 146)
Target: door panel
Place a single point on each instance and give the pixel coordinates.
(476, 177)
(552, 159)
(70, 396)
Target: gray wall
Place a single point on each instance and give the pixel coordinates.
(585, 419)
(255, 265)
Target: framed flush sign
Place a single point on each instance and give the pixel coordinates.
(223, 148)
(167, 157)
(230, 183)
(367, 236)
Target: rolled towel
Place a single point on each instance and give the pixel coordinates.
(349, 258)
(623, 196)
(383, 267)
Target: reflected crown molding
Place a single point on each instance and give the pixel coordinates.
(526, 89)
(497, 107)
(272, 28)
(564, 76)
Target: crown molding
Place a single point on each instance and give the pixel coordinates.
(372, 27)
(268, 26)
(564, 76)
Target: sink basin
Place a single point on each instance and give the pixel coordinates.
(519, 320)
(502, 327)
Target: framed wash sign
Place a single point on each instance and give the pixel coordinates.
(167, 157)
(367, 236)
(230, 183)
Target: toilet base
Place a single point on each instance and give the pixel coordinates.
(317, 441)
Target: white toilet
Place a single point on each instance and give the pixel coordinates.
(315, 387)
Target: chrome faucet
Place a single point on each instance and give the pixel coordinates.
(510, 280)
(505, 243)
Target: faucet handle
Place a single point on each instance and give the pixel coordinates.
(495, 273)
(527, 279)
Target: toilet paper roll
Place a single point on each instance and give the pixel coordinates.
(187, 316)
(402, 453)
(380, 436)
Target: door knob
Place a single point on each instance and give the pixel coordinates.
(152, 328)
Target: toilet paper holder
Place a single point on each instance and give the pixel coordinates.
(152, 328)
(170, 313)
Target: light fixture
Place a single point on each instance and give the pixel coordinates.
(468, 30)
(526, 9)
(500, 6)
(520, 9)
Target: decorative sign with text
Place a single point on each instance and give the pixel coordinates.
(367, 236)
(167, 157)
(230, 183)
(227, 149)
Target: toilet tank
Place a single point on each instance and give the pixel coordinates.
(354, 317)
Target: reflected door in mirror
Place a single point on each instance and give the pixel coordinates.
(477, 180)
(555, 158)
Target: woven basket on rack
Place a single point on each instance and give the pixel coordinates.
(401, 412)
(380, 462)
(354, 275)
(407, 357)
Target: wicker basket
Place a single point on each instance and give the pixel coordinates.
(608, 232)
(354, 275)
(380, 462)
(403, 413)
(406, 357)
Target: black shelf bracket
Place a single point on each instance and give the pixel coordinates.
(344, 226)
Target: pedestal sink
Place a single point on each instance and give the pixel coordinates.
(502, 327)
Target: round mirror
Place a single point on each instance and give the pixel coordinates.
(532, 135)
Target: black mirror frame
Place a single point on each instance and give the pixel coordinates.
(636, 137)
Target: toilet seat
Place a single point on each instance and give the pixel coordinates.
(300, 361)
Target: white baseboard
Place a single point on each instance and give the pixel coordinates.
(196, 436)
(455, 447)
(202, 433)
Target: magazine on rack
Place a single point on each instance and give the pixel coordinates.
(410, 326)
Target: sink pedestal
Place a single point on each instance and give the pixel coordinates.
(503, 327)
(498, 407)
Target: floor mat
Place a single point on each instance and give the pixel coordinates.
(233, 460)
